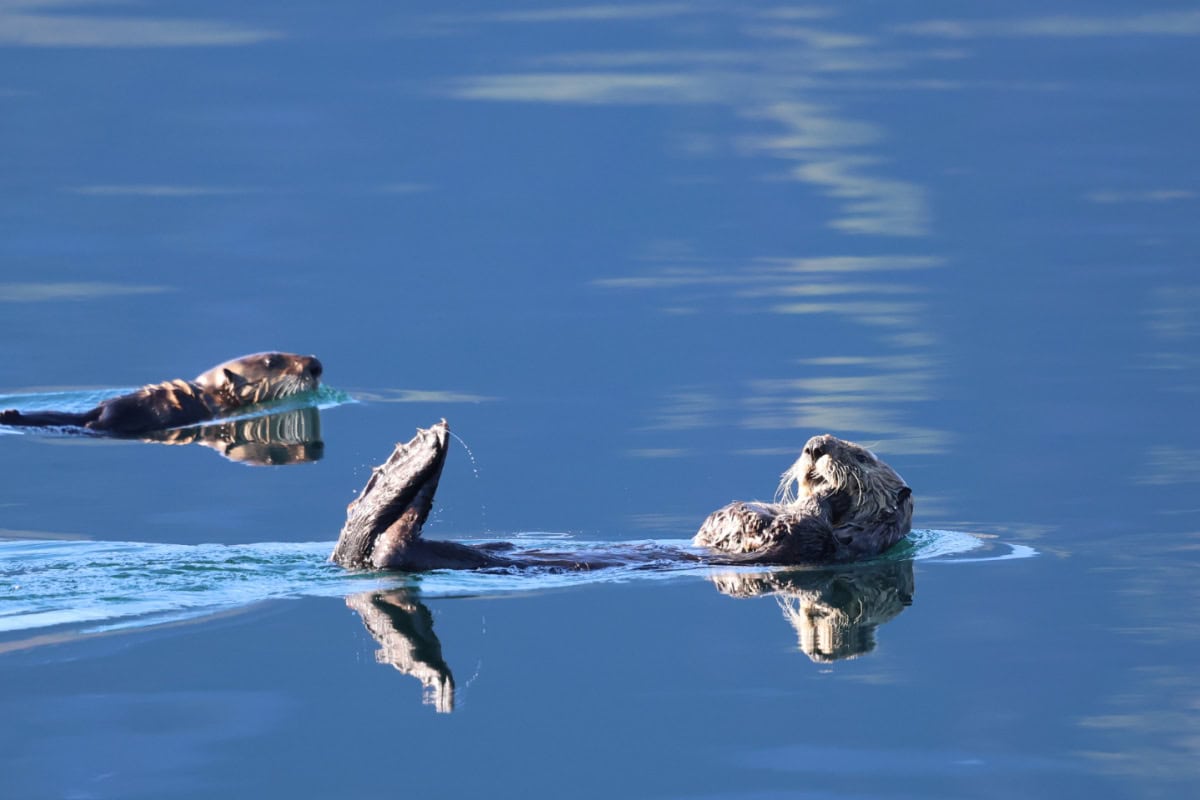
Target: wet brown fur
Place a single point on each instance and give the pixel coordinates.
(221, 390)
(838, 502)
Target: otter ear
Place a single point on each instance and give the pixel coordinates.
(233, 379)
(903, 494)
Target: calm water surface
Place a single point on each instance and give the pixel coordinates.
(636, 254)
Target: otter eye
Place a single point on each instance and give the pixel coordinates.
(816, 451)
(270, 362)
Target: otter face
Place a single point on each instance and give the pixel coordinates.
(261, 377)
(829, 464)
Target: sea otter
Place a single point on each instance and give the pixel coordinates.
(224, 388)
(838, 503)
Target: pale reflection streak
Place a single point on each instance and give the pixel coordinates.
(1112, 196)
(596, 13)
(682, 524)
(1170, 23)
(1174, 316)
(417, 396)
(1173, 321)
(814, 37)
(769, 80)
(811, 139)
(764, 80)
(687, 409)
(598, 88)
(24, 23)
(45, 292)
(867, 393)
(625, 12)
(155, 190)
(1169, 465)
(815, 142)
(1151, 727)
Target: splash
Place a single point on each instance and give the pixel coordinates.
(94, 587)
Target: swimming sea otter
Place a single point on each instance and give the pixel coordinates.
(224, 388)
(839, 503)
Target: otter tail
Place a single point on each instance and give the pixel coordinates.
(44, 419)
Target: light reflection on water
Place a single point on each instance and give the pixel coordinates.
(22, 25)
(865, 394)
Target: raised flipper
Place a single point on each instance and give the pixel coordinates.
(383, 526)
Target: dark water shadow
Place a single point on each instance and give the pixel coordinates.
(835, 613)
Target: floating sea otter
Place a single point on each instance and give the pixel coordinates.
(223, 389)
(838, 503)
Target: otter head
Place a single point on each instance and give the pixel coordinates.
(261, 377)
(830, 465)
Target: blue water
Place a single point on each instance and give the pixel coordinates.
(636, 254)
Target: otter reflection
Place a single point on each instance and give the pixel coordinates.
(834, 611)
(403, 626)
(287, 437)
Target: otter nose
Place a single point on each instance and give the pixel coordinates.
(314, 367)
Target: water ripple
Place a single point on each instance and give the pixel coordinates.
(101, 586)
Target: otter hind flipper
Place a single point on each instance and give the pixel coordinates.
(383, 525)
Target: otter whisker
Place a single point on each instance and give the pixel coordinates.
(789, 486)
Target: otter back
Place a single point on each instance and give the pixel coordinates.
(152, 408)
